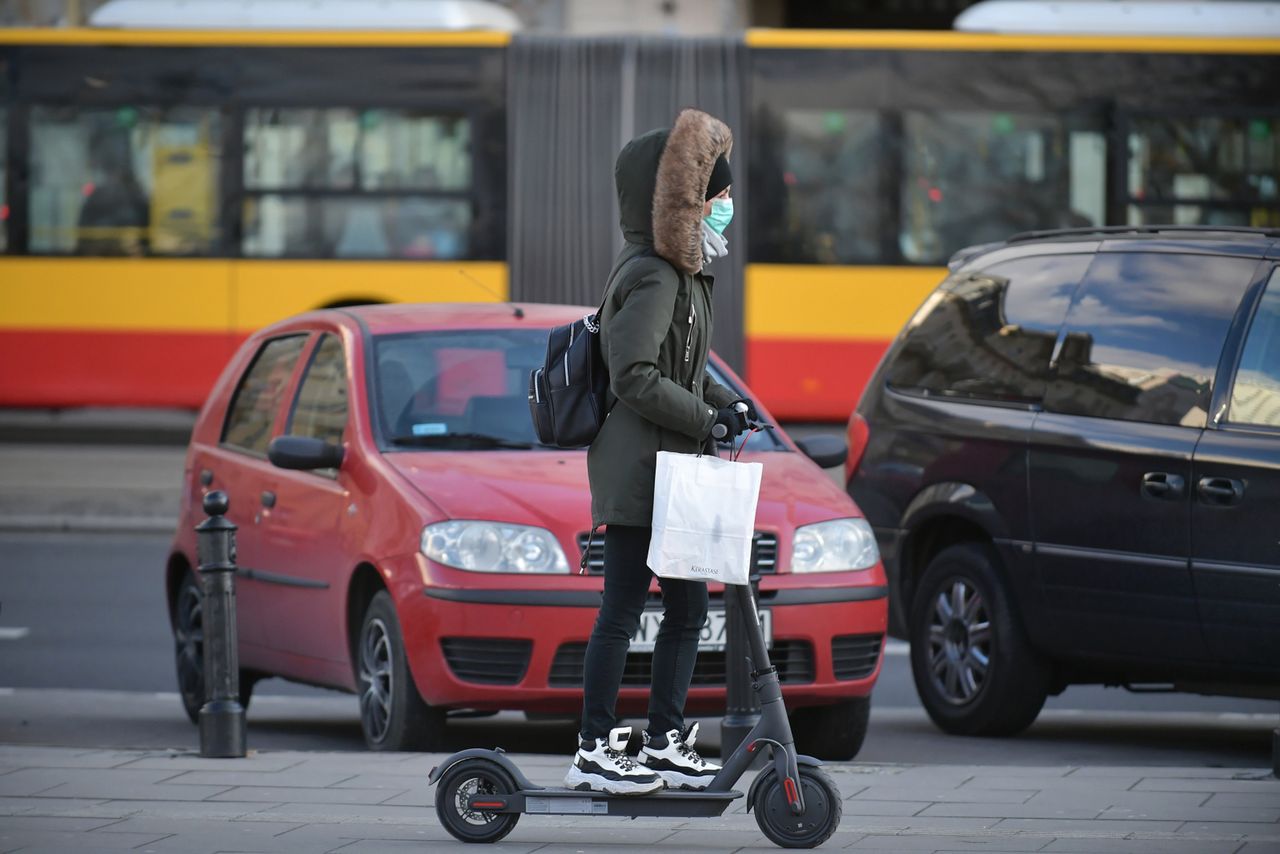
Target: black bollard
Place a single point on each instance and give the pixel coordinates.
(742, 706)
(222, 717)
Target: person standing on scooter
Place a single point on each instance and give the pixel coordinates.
(674, 198)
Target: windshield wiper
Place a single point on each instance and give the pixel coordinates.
(465, 440)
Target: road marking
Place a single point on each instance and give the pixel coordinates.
(13, 632)
(897, 647)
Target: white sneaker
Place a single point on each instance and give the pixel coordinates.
(676, 762)
(602, 765)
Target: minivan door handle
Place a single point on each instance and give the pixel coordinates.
(1222, 491)
(1161, 484)
(268, 499)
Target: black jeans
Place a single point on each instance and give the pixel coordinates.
(626, 587)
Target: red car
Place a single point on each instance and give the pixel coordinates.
(403, 536)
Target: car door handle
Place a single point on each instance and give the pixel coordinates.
(268, 499)
(1222, 491)
(1160, 484)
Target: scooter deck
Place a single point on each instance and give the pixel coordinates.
(693, 804)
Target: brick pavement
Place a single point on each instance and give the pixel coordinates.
(68, 799)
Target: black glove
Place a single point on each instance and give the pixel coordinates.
(729, 422)
(752, 415)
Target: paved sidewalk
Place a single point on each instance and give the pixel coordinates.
(64, 799)
(54, 487)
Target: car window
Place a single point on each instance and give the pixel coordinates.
(257, 399)
(320, 410)
(442, 382)
(989, 335)
(1143, 336)
(1255, 395)
(431, 385)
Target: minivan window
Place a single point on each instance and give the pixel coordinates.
(1255, 396)
(253, 409)
(1143, 336)
(320, 411)
(989, 335)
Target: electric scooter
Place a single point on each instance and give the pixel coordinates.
(481, 794)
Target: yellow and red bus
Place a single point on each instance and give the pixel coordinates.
(166, 192)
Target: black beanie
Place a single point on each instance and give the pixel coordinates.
(721, 177)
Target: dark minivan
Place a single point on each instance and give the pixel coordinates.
(1071, 459)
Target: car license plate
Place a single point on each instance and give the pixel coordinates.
(713, 633)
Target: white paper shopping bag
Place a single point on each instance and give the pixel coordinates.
(704, 515)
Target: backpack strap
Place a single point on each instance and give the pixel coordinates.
(645, 252)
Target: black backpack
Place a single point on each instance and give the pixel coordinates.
(567, 394)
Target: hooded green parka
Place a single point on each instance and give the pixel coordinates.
(656, 327)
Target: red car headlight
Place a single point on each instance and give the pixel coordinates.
(479, 546)
(835, 546)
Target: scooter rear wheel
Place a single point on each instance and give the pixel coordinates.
(822, 809)
(462, 781)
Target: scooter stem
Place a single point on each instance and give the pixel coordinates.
(773, 728)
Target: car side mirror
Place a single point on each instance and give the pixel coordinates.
(303, 453)
(826, 451)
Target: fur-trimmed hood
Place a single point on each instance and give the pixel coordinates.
(662, 177)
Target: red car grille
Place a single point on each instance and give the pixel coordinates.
(489, 661)
(764, 553)
(855, 656)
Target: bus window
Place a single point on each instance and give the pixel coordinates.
(344, 183)
(280, 225)
(823, 183)
(4, 170)
(124, 181)
(978, 177)
(1204, 171)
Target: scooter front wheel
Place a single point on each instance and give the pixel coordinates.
(459, 784)
(822, 809)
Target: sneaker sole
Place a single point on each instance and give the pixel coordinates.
(676, 780)
(582, 782)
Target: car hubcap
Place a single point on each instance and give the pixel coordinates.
(188, 636)
(375, 680)
(959, 642)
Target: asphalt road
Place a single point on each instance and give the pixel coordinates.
(86, 659)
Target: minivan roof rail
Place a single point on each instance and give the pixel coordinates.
(1145, 229)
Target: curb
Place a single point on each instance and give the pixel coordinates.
(97, 426)
(58, 523)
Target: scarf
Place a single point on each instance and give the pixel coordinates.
(713, 245)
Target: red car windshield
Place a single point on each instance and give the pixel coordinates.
(467, 389)
(456, 388)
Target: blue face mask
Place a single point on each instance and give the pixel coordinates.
(721, 215)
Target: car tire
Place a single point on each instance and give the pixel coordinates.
(188, 640)
(833, 732)
(975, 671)
(393, 714)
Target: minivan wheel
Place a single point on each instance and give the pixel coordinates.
(188, 643)
(834, 733)
(393, 715)
(974, 669)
